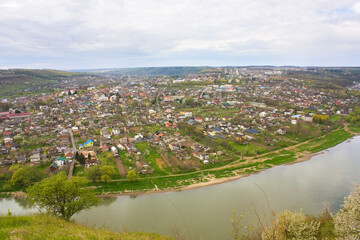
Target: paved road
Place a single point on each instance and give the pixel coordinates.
(71, 170)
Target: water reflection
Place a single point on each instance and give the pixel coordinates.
(107, 201)
(23, 202)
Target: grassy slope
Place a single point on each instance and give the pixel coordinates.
(13, 81)
(156, 71)
(48, 227)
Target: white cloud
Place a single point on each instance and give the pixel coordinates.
(141, 30)
(356, 7)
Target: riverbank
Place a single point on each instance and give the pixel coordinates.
(233, 171)
(211, 182)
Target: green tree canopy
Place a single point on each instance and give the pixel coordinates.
(25, 176)
(81, 159)
(62, 197)
(93, 173)
(107, 172)
(132, 175)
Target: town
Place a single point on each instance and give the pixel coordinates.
(155, 133)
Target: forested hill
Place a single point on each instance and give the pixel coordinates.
(328, 77)
(18, 81)
(152, 71)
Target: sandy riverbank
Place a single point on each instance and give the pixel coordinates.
(213, 181)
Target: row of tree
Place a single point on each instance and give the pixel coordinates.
(321, 118)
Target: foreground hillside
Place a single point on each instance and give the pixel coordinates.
(48, 227)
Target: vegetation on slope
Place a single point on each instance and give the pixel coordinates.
(328, 78)
(49, 227)
(14, 81)
(155, 71)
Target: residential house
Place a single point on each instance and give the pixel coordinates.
(90, 162)
(60, 161)
(116, 131)
(53, 167)
(35, 157)
(89, 143)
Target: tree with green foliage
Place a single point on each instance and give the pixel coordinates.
(81, 159)
(107, 172)
(62, 197)
(93, 173)
(25, 176)
(347, 220)
(190, 102)
(321, 118)
(132, 175)
(354, 116)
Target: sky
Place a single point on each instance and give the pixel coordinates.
(88, 34)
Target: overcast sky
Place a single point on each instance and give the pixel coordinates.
(78, 34)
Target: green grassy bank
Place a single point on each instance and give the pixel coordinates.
(49, 227)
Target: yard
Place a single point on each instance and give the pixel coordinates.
(107, 158)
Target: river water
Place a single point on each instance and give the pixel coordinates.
(205, 213)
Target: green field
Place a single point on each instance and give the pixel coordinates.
(325, 142)
(248, 149)
(355, 128)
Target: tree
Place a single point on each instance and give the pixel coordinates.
(132, 175)
(25, 176)
(321, 118)
(291, 225)
(93, 173)
(81, 159)
(107, 172)
(62, 197)
(347, 220)
(146, 152)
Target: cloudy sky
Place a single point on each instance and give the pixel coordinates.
(78, 34)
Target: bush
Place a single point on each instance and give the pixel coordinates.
(7, 187)
(291, 225)
(132, 175)
(347, 220)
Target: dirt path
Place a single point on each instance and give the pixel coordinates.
(346, 128)
(165, 159)
(120, 167)
(160, 164)
(46, 170)
(260, 145)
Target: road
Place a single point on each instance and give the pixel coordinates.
(71, 170)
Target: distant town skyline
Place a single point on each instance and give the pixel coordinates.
(96, 34)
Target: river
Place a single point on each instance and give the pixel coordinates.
(205, 213)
